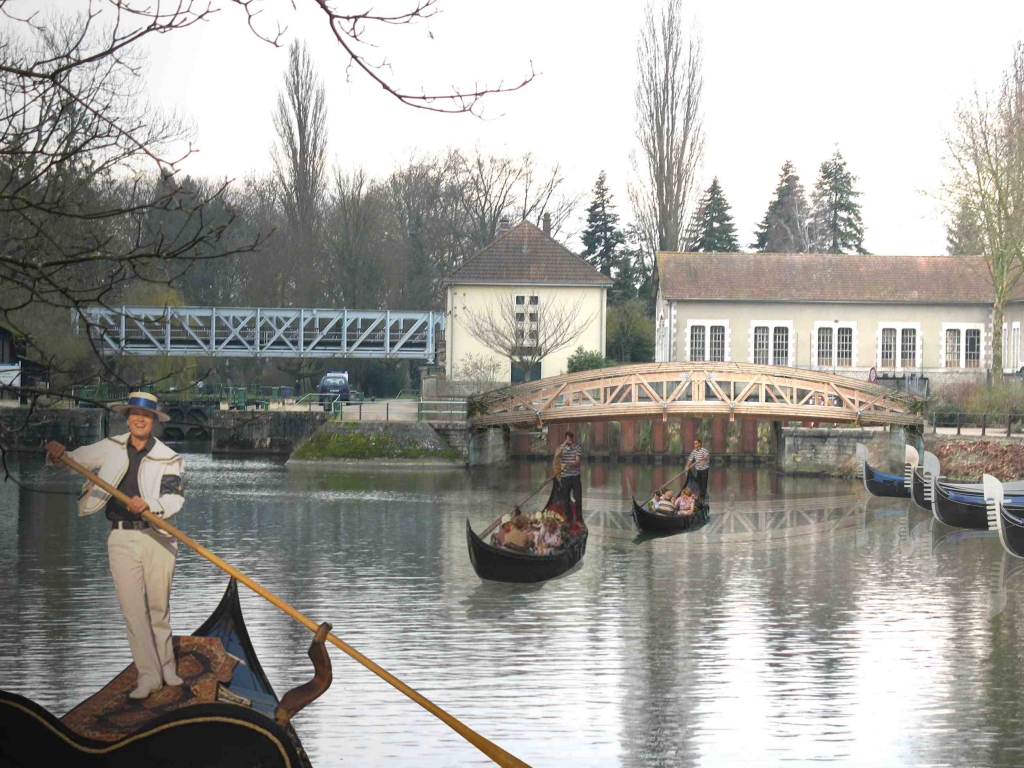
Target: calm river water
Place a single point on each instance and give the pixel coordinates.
(805, 623)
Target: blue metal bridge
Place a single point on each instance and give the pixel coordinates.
(258, 332)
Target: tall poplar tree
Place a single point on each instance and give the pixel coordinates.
(713, 226)
(836, 225)
(602, 238)
(785, 226)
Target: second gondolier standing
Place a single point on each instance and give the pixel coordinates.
(700, 462)
(141, 558)
(570, 455)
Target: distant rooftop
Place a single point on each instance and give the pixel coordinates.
(826, 277)
(526, 256)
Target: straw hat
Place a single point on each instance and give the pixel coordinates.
(144, 402)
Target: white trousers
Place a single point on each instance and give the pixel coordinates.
(142, 564)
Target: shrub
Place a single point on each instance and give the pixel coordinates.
(586, 360)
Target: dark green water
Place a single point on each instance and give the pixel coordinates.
(805, 623)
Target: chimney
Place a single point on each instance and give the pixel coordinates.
(503, 226)
(547, 224)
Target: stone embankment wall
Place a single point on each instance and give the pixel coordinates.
(26, 431)
(262, 433)
(831, 451)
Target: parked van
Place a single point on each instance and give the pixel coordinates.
(334, 386)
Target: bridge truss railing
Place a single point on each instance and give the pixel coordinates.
(655, 390)
(259, 332)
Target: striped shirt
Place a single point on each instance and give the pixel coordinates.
(570, 454)
(700, 458)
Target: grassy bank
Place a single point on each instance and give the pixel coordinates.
(384, 441)
(967, 459)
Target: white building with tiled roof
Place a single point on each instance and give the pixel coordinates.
(902, 315)
(527, 264)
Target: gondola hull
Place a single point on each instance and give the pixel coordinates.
(653, 522)
(958, 510)
(502, 564)
(880, 484)
(1011, 530)
(223, 715)
(917, 490)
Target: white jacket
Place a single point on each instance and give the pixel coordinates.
(160, 475)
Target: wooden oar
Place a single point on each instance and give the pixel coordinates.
(494, 525)
(667, 484)
(492, 750)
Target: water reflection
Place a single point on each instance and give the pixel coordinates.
(804, 622)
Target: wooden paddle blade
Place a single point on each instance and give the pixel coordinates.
(298, 698)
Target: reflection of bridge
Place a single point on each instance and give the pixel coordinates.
(696, 389)
(279, 332)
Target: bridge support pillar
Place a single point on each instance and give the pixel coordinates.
(689, 432)
(600, 436)
(748, 436)
(556, 434)
(657, 436)
(718, 425)
(522, 442)
(487, 446)
(627, 436)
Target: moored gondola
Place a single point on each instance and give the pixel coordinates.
(224, 714)
(1007, 519)
(662, 522)
(493, 563)
(882, 484)
(922, 479)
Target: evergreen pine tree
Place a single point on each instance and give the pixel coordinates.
(784, 228)
(714, 230)
(836, 225)
(963, 235)
(602, 237)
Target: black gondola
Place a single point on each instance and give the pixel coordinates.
(660, 522)
(1009, 519)
(882, 484)
(503, 564)
(923, 477)
(223, 715)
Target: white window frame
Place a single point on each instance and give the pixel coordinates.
(527, 326)
(1011, 347)
(835, 326)
(707, 338)
(964, 328)
(772, 325)
(898, 352)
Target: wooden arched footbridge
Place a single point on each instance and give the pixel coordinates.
(653, 390)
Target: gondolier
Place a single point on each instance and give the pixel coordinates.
(141, 558)
(569, 456)
(699, 462)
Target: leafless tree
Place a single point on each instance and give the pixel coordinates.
(670, 129)
(987, 179)
(524, 328)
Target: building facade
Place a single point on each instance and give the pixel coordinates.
(903, 316)
(524, 265)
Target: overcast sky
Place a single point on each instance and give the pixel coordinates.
(783, 80)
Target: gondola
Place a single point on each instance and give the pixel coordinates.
(1008, 519)
(882, 484)
(962, 505)
(503, 564)
(659, 522)
(921, 482)
(225, 714)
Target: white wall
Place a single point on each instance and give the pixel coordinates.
(461, 343)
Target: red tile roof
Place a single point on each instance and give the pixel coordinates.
(826, 277)
(526, 256)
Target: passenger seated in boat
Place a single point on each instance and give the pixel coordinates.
(549, 537)
(519, 535)
(684, 503)
(653, 503)
(667, 504)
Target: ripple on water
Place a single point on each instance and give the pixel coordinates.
(803, 623)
